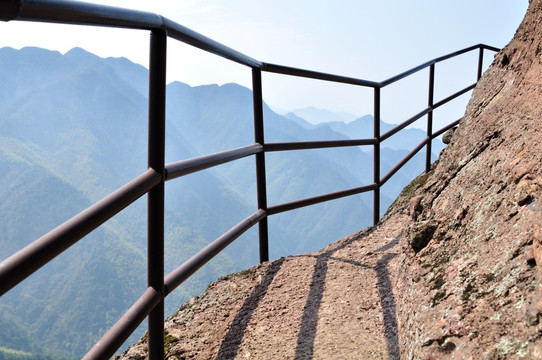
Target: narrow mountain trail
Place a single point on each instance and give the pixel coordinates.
(333, 304)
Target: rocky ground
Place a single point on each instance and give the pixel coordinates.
(336, 303)
(453, 272)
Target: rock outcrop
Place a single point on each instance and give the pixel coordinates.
(454, 271)
(471, 266)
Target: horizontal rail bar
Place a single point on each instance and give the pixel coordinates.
(106, 347)
(424, 112)
(20, 265)
(407, 73)
(81, 13)
(183, 272)
(8, 10)
(276, 209)
(404, 124)
(406, 159)
(189, 166)
(286, 70)
(453, 96)
(303, 145)
(463, 51)
(23, 263)
(445, 128)
(457, 53)
(202, 42)
(431, 62)
(488, 47)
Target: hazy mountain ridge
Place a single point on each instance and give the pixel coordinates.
(316, 116)
(76, 124)
(57, 133)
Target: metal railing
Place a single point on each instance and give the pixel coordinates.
(23, 263)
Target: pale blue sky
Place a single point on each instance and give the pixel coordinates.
(367, 39)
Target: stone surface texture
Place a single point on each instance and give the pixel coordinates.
(470, 277)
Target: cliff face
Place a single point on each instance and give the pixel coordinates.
(469, 285)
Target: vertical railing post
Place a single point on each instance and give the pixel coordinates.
(260, 161)
(155, 198)
(480, 63)
(430, 118)
(376, 157)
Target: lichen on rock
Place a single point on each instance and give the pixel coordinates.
(479, 216)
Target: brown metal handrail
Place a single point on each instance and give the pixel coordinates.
(23, 263)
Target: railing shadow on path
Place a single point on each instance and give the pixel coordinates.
(234, 336)
(309, 322)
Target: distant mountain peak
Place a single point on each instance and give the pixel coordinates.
(316, 116)
(78, 54)
(34, 49)
(29, 51)
(79, 51)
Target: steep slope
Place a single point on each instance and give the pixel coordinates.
(220, 117)
(470, 282)
(27, 213)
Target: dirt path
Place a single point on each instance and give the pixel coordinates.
(333, 304)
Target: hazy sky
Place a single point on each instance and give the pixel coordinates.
(359, 38)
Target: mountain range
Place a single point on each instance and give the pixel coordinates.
(316, 116)
(73, 128)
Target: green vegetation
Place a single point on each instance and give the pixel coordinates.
(437, 282)
(244, 273)
(10, 354)
(13, 336)
(169, 341)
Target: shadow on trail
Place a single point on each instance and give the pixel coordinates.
(232, 340)
(389, 308)
(309, 320)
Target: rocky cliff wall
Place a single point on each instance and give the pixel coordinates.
(470, 276)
